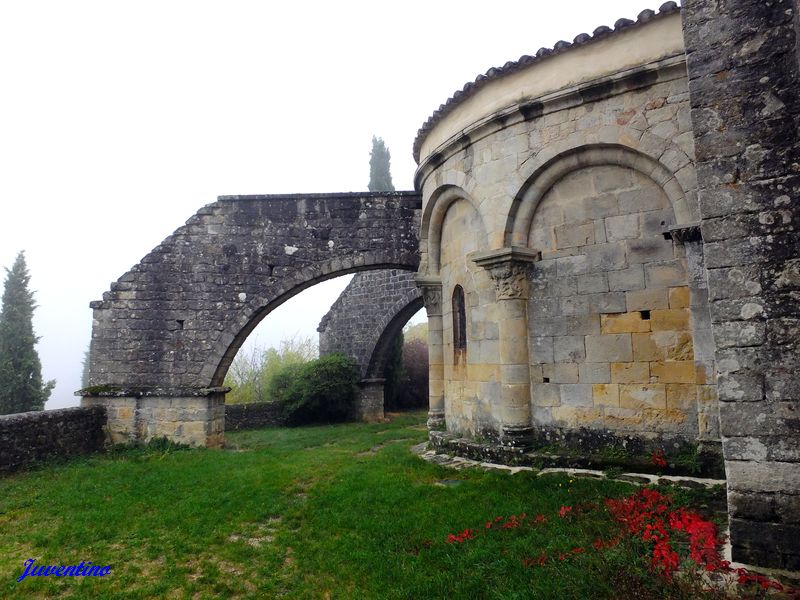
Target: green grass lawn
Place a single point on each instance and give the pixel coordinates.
(341, 511)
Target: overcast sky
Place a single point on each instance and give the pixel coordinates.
(118, 120)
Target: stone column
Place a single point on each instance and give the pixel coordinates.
(743, 81)
(509, 268)
(432, 297)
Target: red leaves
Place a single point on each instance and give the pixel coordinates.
(658, 459)
(564, 511)
(460, 538)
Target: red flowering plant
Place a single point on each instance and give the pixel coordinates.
(659, 459)
(675, 537)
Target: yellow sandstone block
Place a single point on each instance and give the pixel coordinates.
(679, 371)
(630, 372)
(605, 394)
(679, 297)
(681, 396)
(662, 345)
(672, 319)
(645, 347)
(652, 395)
(624, 323)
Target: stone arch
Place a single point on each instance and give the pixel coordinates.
(165, 334)
(433, 220)
(550, 172)
(356, 323)
(388, 329)
(363, 324)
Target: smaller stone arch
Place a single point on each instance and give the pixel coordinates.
(363, 323)
(539, 183)
(433, 220)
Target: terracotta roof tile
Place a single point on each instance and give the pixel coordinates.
(542, 53)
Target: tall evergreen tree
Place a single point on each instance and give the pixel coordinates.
(21, 387)
(380, 176)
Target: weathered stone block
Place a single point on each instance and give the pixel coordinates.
(546, 394)
(611, 302)
(576, 394)
(671, 319)
(643, 396)
(569, 348)
(583, 324)
(665, 274)
(646, 250)
(630, 372)
(628, 279)
(673, 372)
(681, 396)
(561, 372)
(609, 348)
(605, 394)
(679, 297)
(542, 349)
(647, 299)
(631, 322)
(592, 283)
(739, 334)
(589, 372)
(622, 227)
(574, 235)
(750, 476)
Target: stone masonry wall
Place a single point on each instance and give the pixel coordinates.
(34, 437)
(744, 79)
(177, 318)
(256, 415)
(616, 325)
(358, 319)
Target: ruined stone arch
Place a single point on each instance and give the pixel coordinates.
(166, 332)
(363, 323)
(548, 173)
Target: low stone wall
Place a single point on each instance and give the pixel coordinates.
(256, 415)
(33, 437)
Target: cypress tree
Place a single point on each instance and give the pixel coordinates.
(380, 176)
(21, 387)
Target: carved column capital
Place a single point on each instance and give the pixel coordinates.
(431, 288)
(509, 269)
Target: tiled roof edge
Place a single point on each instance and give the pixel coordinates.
(581, 39)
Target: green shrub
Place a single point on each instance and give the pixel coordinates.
(319, 391)
(253, 369)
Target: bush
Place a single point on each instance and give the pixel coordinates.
(252, 370)
(319, 391)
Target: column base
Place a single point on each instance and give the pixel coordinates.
(370, 401)
(517, 436)
(436, 420)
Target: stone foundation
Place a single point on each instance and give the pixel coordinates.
(193, 417)
(369, 402)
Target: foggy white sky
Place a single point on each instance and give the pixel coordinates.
(118, 120)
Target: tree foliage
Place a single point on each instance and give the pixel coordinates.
(21, 386)
(380, 176)
(252, 371)
(319, 391)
